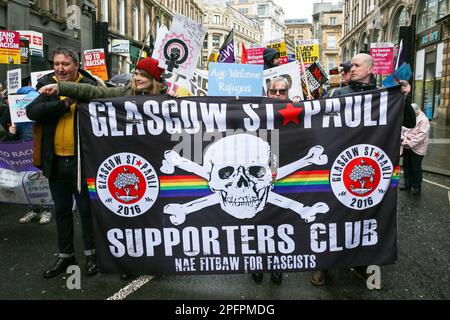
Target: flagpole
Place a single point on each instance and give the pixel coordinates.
(304, 76)
(158, 8)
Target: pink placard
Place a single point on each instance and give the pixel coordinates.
(383, 60)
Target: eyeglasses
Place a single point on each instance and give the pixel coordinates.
(278, 91)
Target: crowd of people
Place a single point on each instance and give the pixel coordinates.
(53, 113)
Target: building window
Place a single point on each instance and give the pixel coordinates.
(105, 9)
(331, 41)
(216, 41)
(332, 21)
(243, 11)
(430, 11)
(205, 18)
(401, 19)
(122, 16)
(54, 6)
(262, 9)
(331, 63)
(216, 19)
(205, 42)
(135, 23)
(243, 1)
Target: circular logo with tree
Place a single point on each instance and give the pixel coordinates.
(360, 176)
(127, 184)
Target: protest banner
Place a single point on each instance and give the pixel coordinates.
(35, 76)
(95, 63)
(14, 80)
(9, 47)
(36, 42)
(20, 181)
(383, 58)
(235, 80)
(291, 72)
(178, 50)
(18, 104)
(309, 49)
(215, 185)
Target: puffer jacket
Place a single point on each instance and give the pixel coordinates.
(46, 112)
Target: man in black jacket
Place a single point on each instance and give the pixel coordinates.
(362, 79)
(56, 116)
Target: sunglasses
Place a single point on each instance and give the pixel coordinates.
(277, 91)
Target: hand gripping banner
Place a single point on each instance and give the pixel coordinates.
(210, 185)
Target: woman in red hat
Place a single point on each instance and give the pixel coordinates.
(146, 80)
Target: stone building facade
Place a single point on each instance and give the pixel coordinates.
(370, 21)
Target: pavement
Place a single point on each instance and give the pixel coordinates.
(437, 158)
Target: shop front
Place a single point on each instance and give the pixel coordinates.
(428, 70)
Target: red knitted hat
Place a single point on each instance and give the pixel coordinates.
(150, 66)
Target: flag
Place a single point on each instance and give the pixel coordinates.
(400, 55)
(226, 52)
(244, 58)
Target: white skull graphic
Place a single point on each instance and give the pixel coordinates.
(240, 174)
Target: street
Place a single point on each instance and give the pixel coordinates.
(421, 272)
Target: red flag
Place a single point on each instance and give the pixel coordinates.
(244, 58)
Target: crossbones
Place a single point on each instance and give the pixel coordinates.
(238, 172)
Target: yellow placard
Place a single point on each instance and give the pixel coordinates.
(309, 52)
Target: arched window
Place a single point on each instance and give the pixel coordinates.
(400, 20)
(122, 16)
(429, 12)
(135, 23)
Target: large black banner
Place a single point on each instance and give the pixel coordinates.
(227, 185)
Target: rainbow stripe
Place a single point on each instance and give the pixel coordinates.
(190, 186)
(178, 186)
(91, 189)
(395, 180)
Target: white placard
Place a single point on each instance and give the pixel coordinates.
(35, 76)
(439, 59)
(14, 80)
(290, 71)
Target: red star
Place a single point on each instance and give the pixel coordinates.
(376, 154)
(138, 163)
(290, 113)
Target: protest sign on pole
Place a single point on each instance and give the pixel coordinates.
(9, 47)
(24, 50)
(35, 76)
(383, 58)
(95, 63)
(14, 80)
(36, 42)
(316, 77)
(235, 80)
(280, 46)
(291, 72)
(178, 51)
(255, 56)
(308, 51)
(18, 104)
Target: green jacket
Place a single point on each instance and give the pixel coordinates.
(86, 92)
